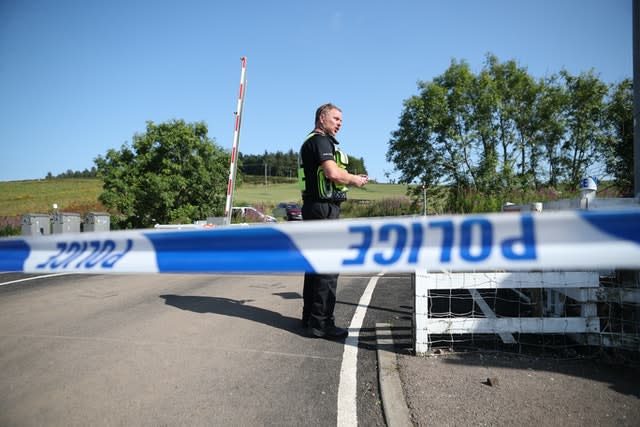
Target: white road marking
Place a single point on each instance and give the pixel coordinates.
(347, 388)
(33, 278)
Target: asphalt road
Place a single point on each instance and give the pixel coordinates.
(184, 350)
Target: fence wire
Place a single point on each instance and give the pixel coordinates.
(611, 311)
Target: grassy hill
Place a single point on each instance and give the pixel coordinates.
(81, 195)
(37, 196)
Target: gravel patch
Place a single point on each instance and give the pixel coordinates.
(501, 389)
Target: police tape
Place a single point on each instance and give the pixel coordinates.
(523, 241)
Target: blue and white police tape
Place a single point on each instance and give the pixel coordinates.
(550, 240)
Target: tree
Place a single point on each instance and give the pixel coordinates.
(516, 102)
(618, 149)
(585, 115)
(501, 131)
(172, 173)
(356, 166)
(551, 129)
(418, 147)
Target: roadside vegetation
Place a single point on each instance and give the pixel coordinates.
(375, 200)
(82, 195)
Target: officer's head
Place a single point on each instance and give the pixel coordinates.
(329, 119)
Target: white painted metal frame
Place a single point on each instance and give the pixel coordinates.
(580, 286)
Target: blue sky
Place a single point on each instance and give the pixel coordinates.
(78, 77)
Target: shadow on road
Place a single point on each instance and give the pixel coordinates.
(234, 308)
(407, 312)
(242, 309)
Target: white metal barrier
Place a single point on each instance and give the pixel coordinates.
(580, 285)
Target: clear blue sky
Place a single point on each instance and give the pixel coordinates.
(78, 77)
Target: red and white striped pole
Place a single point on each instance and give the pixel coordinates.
(236, 139)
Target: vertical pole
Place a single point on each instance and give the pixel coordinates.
(424, 197)
(635, 13)
(231, 186)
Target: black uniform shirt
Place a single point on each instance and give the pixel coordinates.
(314, 151)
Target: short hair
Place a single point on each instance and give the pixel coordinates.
(324, 109)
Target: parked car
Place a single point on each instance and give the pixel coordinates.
(289, 211)
(250, 214)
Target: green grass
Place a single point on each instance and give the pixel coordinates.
(81, 195)
(272, 194)
(38, 196)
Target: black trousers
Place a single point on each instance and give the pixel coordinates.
(319, 291)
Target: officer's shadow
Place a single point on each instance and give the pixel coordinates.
(234, 308)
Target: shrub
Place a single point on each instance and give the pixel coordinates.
(395, 206)
(10, 226)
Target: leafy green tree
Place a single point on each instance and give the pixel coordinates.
(499, 131)
(447, 133)
(618, 149)
(74, 174)
(516, 96)
(419, 148)
(552, 129)
(586, 123)
(356, 166)
(172, 173)
(251, 164)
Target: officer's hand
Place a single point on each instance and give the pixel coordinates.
(362, 180)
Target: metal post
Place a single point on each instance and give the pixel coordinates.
(635, 13)
(636, 96)
(231, 186)
(424, 198)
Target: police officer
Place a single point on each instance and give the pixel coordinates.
(323, 179)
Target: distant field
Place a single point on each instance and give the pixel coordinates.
(272, 194)
(81, 195)
(38, 196)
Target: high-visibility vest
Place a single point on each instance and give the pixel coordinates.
(327, 189)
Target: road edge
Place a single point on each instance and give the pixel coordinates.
(395, 409)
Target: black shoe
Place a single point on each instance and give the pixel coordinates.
(330, 332)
